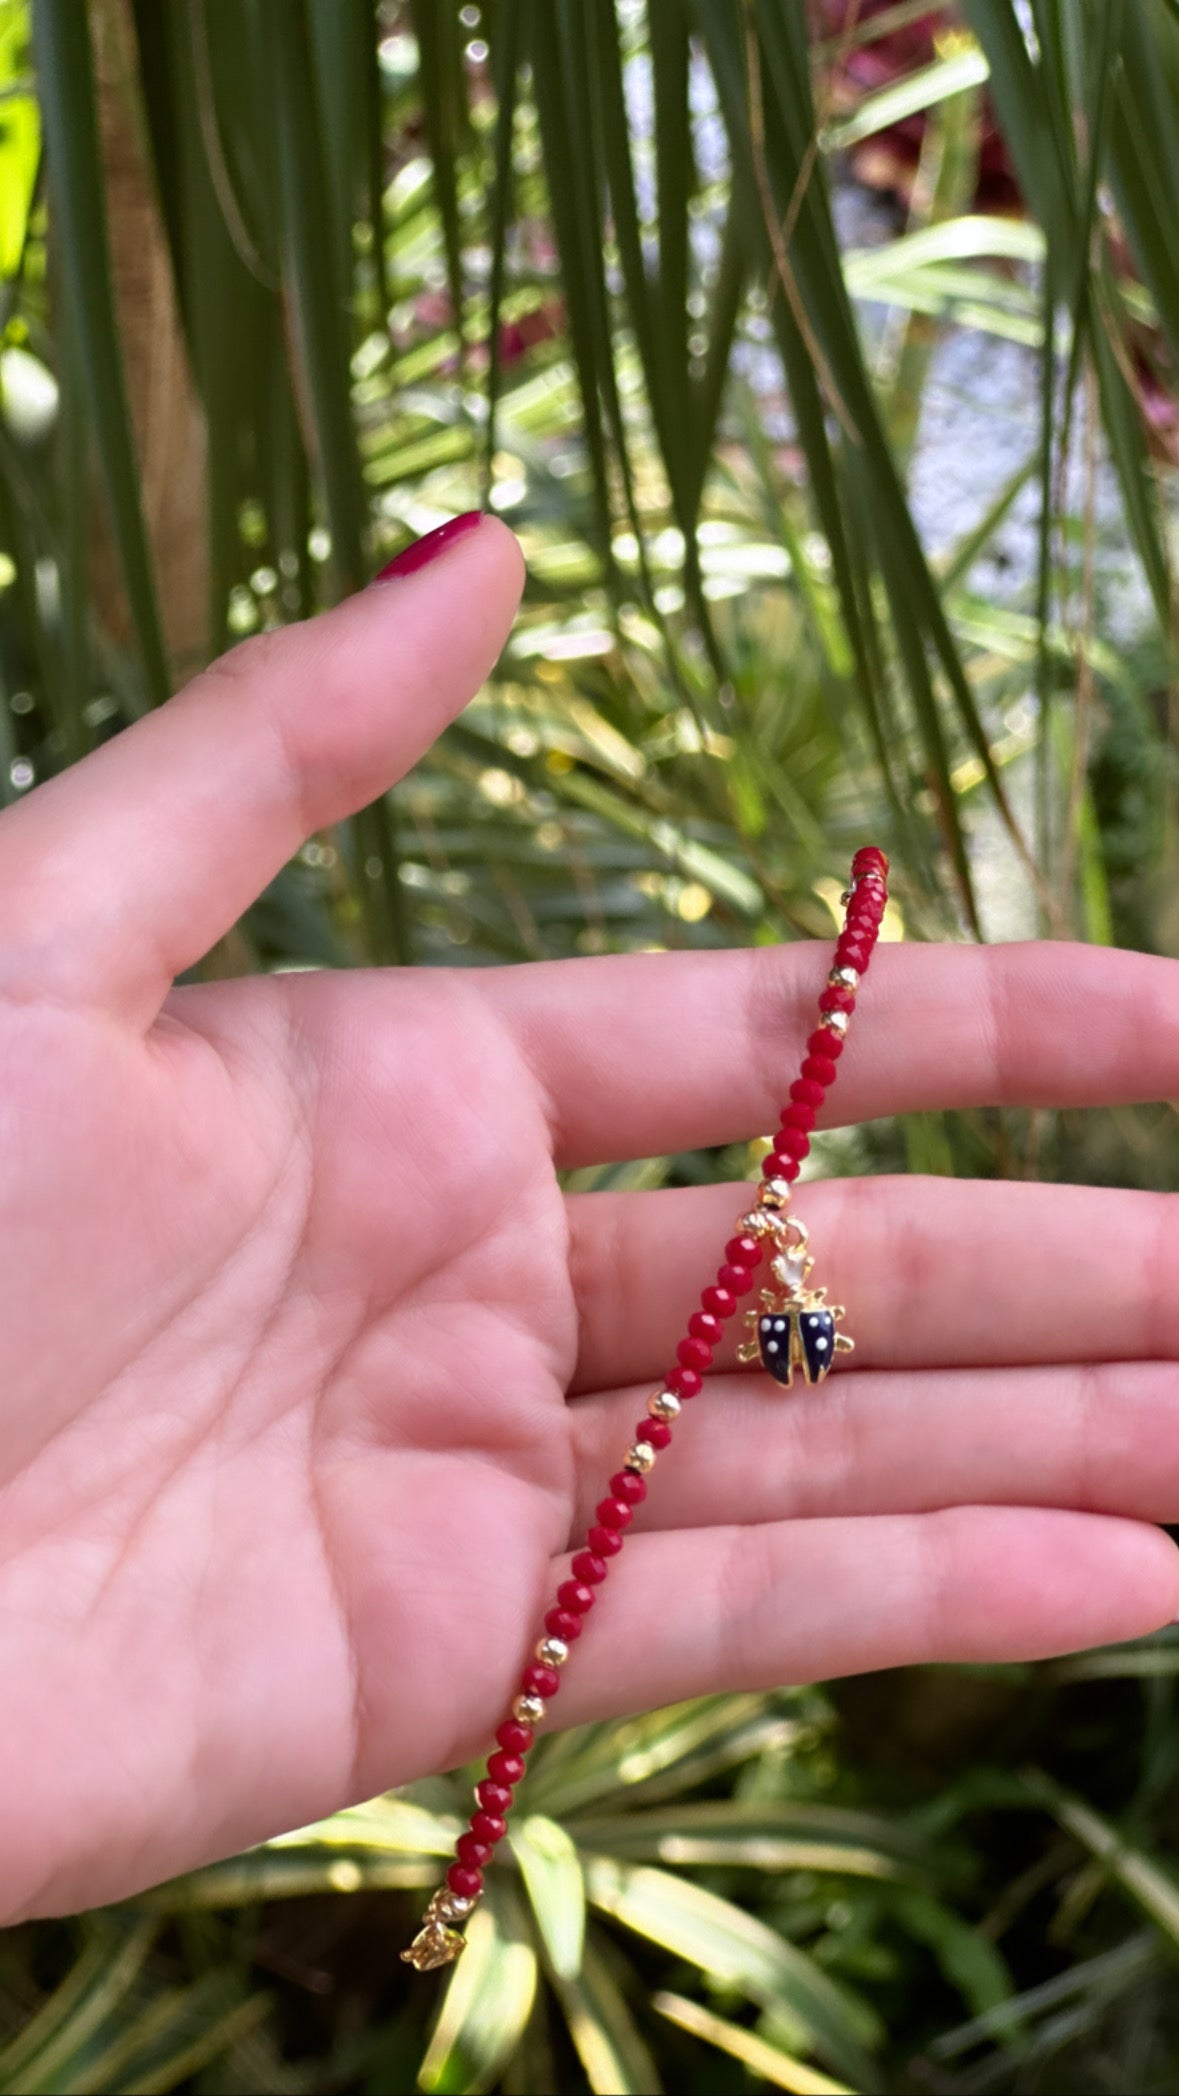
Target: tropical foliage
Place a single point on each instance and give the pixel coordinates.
(287, 280)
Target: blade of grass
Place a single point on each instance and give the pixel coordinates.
(65, 81)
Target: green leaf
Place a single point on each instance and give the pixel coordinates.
(65, 85)
(551, 1870)
(764, 2061)
(485, 2008)
(737, 1950)
(616, 2060)
(908, 96)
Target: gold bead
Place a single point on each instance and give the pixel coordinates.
(836, 1023)
(528, 1709)
(844, 979)
(639, 1456)
(552, 1652)
(449, 1906)
(664, 1405)
(775, 1193)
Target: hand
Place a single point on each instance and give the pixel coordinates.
(293, 1304)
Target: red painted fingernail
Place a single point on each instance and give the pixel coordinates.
(423, 551)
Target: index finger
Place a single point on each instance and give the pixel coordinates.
(645, 1053)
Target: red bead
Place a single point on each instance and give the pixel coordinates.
(820, 1069)
(694, 1353)
(505, 1768)
(467, 1883)
(485, 1827)
(824, 1042)
(858, 931)
(703, 1325)
(473, 1852)
(628, 1486)
(791, 1142)
(655, 1431)
(514, 1737)
(805, 1092)
(869, 855)
(718, 1302)
(604, 1542)
(589, 1568)
(540, 1681)
(744, 1251)
(778, 1167)
(559, 1622)
(835, 1000)
(577, 1595)
(800, 1114)
(494, 1798)
(614, 1513)
(857, 958)
(684, 1381)
(737, 1279)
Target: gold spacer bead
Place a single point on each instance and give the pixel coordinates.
(844, 979)
(552, 1652)
(639, 1456)
(836, 1023)
(775, 1193)
(528, 1709)
(664, 1405)
(450, 1906)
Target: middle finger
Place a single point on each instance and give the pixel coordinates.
(934, 1272)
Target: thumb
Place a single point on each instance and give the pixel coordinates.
(123, 871)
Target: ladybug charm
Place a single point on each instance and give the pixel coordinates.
(794, 1326)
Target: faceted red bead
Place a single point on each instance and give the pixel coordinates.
(473, 1852)
(778, 1167)
(540, 1681)
(485, 1827)
(589, 1568)
(859, 931)
(562, 1623)
(467, 1883)
(869, 855)
(744, 1251)
(614, 1513)
(577, 1595)
(505, 1768)
(494, 1798)
(835, 1000)
(684, 1381)
(656, 1431)
(823, 1042)
(791, 1142)
(820, 1069)
(737, 1279)
(798, 1114)
(514, 1737)
(857, 957)
(693, 1353)
(629, 1486)
(718, 1302)
(604, 1542)
(805, 1092)
(703, 1325)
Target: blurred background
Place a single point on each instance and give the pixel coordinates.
(823, 357)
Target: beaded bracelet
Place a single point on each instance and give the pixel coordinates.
(793, 1327)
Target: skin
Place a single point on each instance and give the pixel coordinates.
(312, 1373)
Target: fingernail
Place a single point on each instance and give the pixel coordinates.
(424, 550)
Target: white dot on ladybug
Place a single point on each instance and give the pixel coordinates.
(812, 1322)
(780, 1324)
(771, 1346)
(767, 1324)
(820, 1343)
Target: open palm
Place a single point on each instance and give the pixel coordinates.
(313, 1372)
